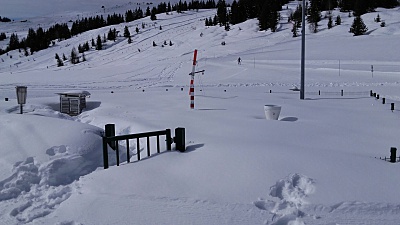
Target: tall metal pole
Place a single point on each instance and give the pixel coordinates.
(303, 48)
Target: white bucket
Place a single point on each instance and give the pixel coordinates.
(272, 112)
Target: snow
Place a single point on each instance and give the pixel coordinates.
(317, 164)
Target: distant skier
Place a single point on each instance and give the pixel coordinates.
(239, 61)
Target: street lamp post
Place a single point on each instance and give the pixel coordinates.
(21, 96)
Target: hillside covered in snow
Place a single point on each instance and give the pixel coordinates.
(319, 163)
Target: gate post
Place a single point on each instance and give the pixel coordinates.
(105, 153)
(110, 132)
(169, 139)
(393, 154)
(179, 139)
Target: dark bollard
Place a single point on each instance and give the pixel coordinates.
(341, 92)
(374, 95)
(393, 154)
(181, 89)
(6, 99)
(166, 89)
(270, 91)
(371, 94)
(224, 90)
(110, 132)
(383, 100)
(319, 92)
(392, 106)
(377, 96)
(179, 139)
(143, 90)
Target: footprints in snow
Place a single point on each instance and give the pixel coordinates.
(291, 192)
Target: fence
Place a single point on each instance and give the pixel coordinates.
(110, 140)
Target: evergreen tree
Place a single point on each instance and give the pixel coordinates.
(64, 57)
(137, 30)
(57, 56)
(358, 27)
(126, 32)
(330, 22)
(60, 62)
(338, 20)
(148, 12)
(83, 57)
(99, 44)
(378, 19)
(86, 46)
(93, 43)
(74, 58)
(3, 36)
(221, 12)
(14, 42)
(153, 14)
(314, 15)
(129, 40)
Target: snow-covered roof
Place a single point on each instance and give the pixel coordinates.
(75, 93)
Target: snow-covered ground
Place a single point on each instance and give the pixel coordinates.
(318, 164)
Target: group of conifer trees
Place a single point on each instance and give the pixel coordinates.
(266, 11)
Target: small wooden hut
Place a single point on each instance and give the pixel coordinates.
(73, 102)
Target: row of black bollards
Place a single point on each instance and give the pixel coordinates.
(375, 95)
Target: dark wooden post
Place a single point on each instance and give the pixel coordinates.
(105, 153)
(138, 149)
(180, 139)
(128, 157)
(319, 92)
(117, 153)
(148, 146)
(371, 94)
(341, 92)
(110, 132)
(393, 154)
(392, 106)
(168, 139)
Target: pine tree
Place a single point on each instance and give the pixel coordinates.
(60, 62)
(330, 22)
(83, 57)
(338, 20)
(64, 57)
(378, 19)
(99, 44)
(129, 40)
(74, 56)
(153, 14)
(57, 56)
(314, 15)
(358, 27)
(126, 32)
(221, 12)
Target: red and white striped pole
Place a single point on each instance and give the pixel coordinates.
(191, 92)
